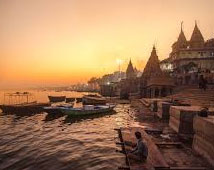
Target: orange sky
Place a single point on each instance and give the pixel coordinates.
(45, 42)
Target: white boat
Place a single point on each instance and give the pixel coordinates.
(88, 110)
(58, 108)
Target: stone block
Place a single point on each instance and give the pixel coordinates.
(163, 110)
(154, 103)
(203, 141)
(181, 118)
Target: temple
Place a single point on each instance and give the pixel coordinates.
(130, 85)
(190, 59)
(167, 92)
(154, 82)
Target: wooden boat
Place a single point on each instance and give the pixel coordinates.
(78, 99)
(88, 110)
(93, 100)
(54, 99)
(69, 99)
(58, 109)
(33, 107)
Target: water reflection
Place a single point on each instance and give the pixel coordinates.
(44, 141)
(51, 116)
(77, 119)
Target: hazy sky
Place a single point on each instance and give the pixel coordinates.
(46, 42)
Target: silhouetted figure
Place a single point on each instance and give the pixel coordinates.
(202, 83)
(140, 152)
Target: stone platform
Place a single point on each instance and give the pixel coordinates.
(163, 110)
(155, 159)
(203, 142)
(152, 102)
(163, 153)
(181, 118)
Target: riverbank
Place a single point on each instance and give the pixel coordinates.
(174, 149)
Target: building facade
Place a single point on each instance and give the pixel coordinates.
(190, 59)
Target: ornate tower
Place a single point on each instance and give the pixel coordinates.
(154, 83)
(197, 40)
(182, 41)
(130, 72)
(152, 68)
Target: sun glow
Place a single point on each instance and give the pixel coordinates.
(62, 42)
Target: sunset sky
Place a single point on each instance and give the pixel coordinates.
(55, 42)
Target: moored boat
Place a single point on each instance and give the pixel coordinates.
(88, 110)
(93, 100)
(55, 99)
(69, 99)
(58, 109)
(33, 107)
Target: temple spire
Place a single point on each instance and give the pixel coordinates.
(197, 40)
(181, 42)
(152, 67)
(182, 26)
(130, 73)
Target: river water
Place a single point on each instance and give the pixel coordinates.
(40, 142)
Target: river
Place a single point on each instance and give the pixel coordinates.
(38, 142)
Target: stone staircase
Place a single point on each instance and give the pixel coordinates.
(194, 96)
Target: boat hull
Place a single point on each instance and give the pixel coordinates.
(58, 109)
(89, 100)
(69, 100)
(54, 99)
(24, 108)
(54, 110)
(79, 113)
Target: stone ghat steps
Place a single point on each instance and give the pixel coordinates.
(195, 96)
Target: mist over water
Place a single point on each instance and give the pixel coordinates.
(38, 142)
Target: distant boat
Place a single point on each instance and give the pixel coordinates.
(93, 100)
(69, 99)
(78, 99)
(33, 107)
(88, 110)
(54, 99)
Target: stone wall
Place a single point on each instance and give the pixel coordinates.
(181, 118)
(163, 110)
(203, 142)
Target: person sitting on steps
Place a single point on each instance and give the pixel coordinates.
(140, 152)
